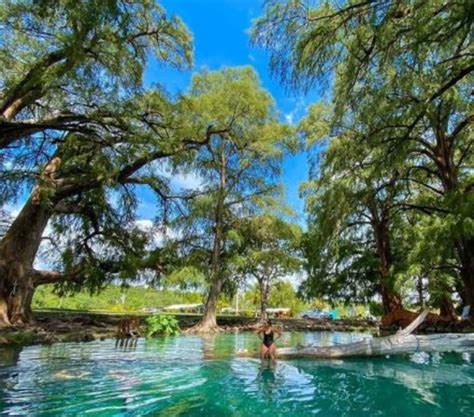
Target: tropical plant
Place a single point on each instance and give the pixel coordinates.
(161, 325)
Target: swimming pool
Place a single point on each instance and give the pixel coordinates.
(202, 376)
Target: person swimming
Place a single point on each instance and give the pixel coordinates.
(267, 333)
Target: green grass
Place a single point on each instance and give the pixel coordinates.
(113, 299)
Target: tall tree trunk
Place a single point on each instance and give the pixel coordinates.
(391, 300)
(208, 322)
(465, 249)
(264, 290)
(446, 308)
(18, 250)
(443, 157)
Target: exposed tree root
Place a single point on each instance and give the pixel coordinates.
(4, 320)
(204, 328)
(402, 317)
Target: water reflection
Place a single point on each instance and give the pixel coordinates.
(266, 378)
(202, 376)
(126, 343)
(267, 371)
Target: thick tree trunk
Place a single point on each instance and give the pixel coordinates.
(443, 157)
(465, 249)
(20, 303)
(4, 319)
(446, 308)
(391, 300)
(208, 323)
(18, 250)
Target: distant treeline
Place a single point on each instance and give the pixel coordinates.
(135, 299)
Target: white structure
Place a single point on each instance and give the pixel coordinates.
(185, 308)
(278, 312)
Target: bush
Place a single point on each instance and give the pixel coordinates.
(161, 324)
(376, 309)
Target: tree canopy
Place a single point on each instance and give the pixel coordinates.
(397, 139)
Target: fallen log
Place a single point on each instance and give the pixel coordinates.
(402, 342)
(391, 345)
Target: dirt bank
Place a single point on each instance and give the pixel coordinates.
(73, 326)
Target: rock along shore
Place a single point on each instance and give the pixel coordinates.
(75, 326)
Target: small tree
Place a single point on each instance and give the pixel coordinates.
(272, 247)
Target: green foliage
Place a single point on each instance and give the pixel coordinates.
(73, 51)
(283, 294)
(114, 299)
(239, 168)
(74, 79)
(161, 325)
(397, 145)
(185, 277)
(376, 309)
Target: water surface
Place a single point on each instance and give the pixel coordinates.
(202, 376)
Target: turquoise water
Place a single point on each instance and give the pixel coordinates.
(196, 376)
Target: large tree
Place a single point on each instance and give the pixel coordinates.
(239, 170)
(353, 201)
(87, 189)
(405, 69)
(78, 134)
(62, 62)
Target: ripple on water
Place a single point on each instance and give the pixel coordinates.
(194, 376)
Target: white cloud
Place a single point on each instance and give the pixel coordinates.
(299, 110)
(190, 181)
(289, 118)
(144, 224)
(157, 233)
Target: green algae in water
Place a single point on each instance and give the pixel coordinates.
(201, 376)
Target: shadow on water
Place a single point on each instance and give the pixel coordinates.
(126, 344)
(9, 356)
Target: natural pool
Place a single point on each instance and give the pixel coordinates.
(201, 376)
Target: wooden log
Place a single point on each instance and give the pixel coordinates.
(391, 345)
(402, 342)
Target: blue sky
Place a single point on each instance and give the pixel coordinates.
(220, 39)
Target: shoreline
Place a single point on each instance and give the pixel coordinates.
(78, 326)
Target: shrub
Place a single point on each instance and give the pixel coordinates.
(161, 324)
(376, 309)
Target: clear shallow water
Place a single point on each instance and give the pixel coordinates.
(195, 376)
